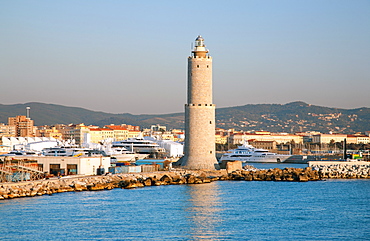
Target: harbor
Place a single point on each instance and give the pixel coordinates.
(185, 121)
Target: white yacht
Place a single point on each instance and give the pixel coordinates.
(140, 146)
(54, 151)
(121, 154)
(74, 152)
(248, 153)
(22, 153)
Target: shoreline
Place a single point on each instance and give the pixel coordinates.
(316, 172)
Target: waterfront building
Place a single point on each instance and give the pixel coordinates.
(99, 134)
(307, 136)
(134, 133)
(358, 139)
(112, 132)
(75, 132)
(120, 133)
(200, 151)
(328, 138)
(72, 165)
(240, 138)
(268, 145)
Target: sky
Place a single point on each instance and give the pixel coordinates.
(122, 56)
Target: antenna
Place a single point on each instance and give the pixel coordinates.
(28, 111)
(191, 45)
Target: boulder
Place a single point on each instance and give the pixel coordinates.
(147, 182)
(166, 180)
(233, 166)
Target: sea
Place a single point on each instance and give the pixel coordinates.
(221, 210)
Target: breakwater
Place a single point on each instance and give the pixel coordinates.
(127, 181)
(341, 170)
(316, 171)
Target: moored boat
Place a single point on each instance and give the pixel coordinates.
(248, 153)
(140, 146)
(22, 153)
(121, 154)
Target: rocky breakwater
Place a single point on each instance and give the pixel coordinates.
(342, 170)
(276, 174)
(98, 183)
(137, 180)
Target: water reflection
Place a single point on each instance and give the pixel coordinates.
(204, 211)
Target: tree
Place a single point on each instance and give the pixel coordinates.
(332, 143)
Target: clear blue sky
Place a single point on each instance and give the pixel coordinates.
(131, 56)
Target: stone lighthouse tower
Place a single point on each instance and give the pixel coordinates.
(200, 152)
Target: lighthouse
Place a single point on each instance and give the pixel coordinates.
(200, 151)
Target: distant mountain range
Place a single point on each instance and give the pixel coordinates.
(291, 117)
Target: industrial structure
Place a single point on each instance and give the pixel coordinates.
(16, 170)
(200, 152)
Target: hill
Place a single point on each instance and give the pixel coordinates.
(291, 117)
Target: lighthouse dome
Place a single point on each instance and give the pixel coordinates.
(199, 41)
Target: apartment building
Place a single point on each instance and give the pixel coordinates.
(113, 132)
(23, 126)
(220, 137)
(74, 132)
(119, 133)
(358, 139)
(7, 130)
(99, 134)
(50, 132)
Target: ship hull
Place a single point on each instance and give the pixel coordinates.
(257, 159)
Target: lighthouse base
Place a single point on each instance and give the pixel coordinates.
(198, 163)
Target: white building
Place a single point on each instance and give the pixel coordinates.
(174, 149)
(73, 165)
(327, 138)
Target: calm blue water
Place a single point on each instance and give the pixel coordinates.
(229, 210)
